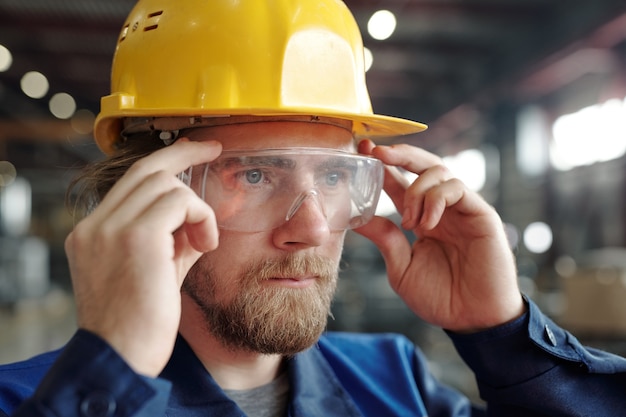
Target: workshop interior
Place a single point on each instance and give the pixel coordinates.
(525, 100)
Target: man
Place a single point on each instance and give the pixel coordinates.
(204, 275)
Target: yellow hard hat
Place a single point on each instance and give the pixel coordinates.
(219, 58)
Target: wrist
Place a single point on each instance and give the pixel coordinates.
(510, 313)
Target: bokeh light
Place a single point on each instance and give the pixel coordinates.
(538, 237)
(34, 84)
(7, 173)
(82, 121)
(6, 59)
(381, 25)
(62, 105)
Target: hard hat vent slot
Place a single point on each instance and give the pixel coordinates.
(155, 25)
(124, 32)
(151, 22)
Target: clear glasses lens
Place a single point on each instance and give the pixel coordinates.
(259, 190)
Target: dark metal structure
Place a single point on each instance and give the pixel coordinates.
(443, 54)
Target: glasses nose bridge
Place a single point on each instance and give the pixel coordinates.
(312, 194)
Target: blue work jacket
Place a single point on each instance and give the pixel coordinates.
(529, 367)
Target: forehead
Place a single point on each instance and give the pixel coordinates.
(264, 135)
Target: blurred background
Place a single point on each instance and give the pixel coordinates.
(525, 99)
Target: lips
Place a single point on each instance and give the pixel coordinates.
(296, 282)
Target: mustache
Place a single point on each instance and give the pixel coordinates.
(293, 266)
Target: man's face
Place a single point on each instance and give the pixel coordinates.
(270, 292)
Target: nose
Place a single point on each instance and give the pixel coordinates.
(305, 225)
(312, 195)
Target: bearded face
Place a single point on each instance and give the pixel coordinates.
(250, 311)
(270, 292)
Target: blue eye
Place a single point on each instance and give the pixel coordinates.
(254, 176)
(332, 178)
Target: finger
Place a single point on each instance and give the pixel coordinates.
(395, 183)
(409, 157)
(181, 208)
(203, 236)
(453, 194)
(392, 243)
(450, 194)
(412, 159)
(145, 193)
(171, 160)
(415, 195)
(365, 147)
(438, 199)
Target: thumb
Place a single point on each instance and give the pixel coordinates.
(392, 243)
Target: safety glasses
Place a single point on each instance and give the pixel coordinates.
(258, 190)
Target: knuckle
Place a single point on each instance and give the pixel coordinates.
(69, 244)
(456, 182)
(138, 167)
(442, 170)
(77, 236)
(165, 180)
(175, 193)
(160, 176)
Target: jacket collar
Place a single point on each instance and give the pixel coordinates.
(314, 388)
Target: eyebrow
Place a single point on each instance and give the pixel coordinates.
(338, 162)
(256, 161)
(284, 163)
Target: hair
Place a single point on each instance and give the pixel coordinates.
(95, 180)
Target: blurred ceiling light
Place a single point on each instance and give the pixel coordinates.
(369, 59)
(34, 84)
(16, 207)
(62, 105)
(6, 59)
(7, 173)
(532, 141)
(470, 167)
(593, 134)
(381, 25)
(538, 237)
(565, 266)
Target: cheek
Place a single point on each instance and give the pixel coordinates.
(233, 255)
(235, 247)
(335, 245)
(211, 280)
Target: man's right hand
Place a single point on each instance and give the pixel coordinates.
(129, 257)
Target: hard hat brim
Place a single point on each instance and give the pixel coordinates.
(373, 126)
